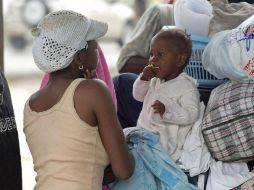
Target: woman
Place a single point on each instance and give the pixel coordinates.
(71, 124)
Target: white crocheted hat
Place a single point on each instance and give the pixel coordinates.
(60, 35)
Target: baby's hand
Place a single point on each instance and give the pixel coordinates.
(158, 108)
(90, 74)
(147, 73)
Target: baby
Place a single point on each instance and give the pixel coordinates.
(170, 97)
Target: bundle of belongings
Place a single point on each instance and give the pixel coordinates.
(206, 18)
(154, 169)
(228, 130)
(228, 122)
(223, 142)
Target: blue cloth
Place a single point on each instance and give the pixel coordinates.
(128, 109)
(154, 169)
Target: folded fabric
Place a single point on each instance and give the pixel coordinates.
(195, 156)
(227, 16)
(230, 53)
(191, 14)
(225, 176)
(154, 169)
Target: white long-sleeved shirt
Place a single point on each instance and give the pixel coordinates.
(181, 99)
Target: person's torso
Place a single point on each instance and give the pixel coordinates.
(171, 90)
(67, 152)
(171, 134)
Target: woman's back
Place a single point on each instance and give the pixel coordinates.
(67, 152)
(71, 124)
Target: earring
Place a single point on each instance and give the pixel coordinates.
(81, 67)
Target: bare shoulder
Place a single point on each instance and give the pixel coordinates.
(93, 89)
(91, 97)
(91, 86)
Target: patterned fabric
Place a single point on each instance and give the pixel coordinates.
(248, 185)
(228, 123)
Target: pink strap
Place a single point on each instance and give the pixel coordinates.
(103, 73)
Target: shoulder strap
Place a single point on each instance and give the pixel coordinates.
(67, 99)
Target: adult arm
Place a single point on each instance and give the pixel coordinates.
(136, 51)
(99, 110)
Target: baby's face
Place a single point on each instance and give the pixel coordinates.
(163, 59)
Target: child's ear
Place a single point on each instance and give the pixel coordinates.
(181, 60)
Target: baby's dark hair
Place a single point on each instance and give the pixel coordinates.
(180, 39)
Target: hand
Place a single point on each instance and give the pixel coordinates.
(159, 108)
(109, 176)
(147, 73)
(90, 74)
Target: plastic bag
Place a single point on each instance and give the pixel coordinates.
(230, 53)
(190, 15)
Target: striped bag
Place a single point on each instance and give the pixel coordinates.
(228, 123)
(248, 185)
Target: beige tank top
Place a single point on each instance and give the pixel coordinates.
(67, 152)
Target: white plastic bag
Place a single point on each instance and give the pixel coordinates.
(230, 53)
(193, 16)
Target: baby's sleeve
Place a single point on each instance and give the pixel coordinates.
(140, 88)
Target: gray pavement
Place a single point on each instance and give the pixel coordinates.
(24, 79)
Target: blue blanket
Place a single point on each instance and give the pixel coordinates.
(154, 169)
